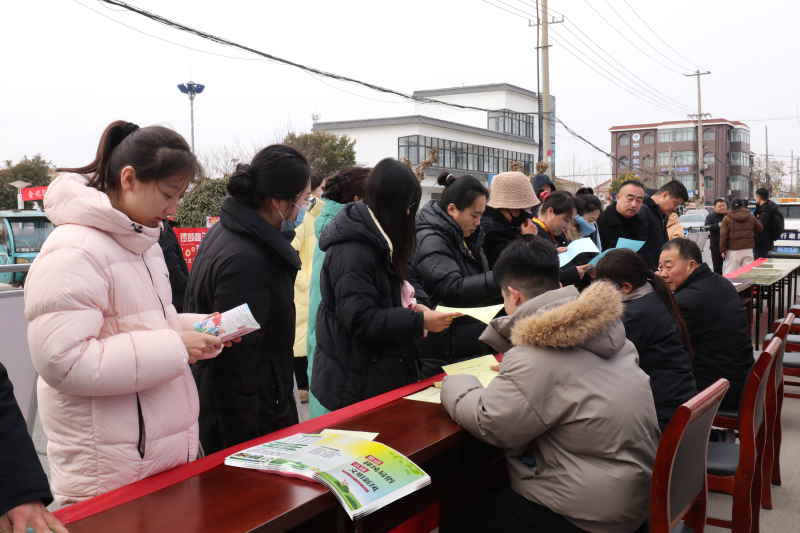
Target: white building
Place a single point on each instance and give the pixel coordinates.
(479, 143)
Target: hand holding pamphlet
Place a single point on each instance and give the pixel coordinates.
(480, 367)
(621, 243)
(484, 314)
(230, 324)
(363, 475)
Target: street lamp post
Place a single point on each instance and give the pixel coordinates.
(19, 186)
(192, 89)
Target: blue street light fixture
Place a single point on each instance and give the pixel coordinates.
(192, 89)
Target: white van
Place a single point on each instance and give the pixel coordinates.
(789, 243)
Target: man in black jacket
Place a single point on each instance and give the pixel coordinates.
(715, 317)
(176, 264)
(713, 221)
(655, 211)
(621, 218)
(24, 490)
(765, 213)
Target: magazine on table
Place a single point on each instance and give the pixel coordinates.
(230, 324)
(363, 475)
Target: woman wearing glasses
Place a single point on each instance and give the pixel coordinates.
(247, 258)
(369, 319)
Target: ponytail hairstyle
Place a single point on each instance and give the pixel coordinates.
(587, 203)
(622, 265)
(392, 189)
(346, 185)
(155, 153)
(277, 171)
(461, 191)
(561, 202)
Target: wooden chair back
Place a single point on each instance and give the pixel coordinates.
(679, 488)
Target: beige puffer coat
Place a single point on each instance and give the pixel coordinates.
(571, 395)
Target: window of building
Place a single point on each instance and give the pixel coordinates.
(740, 135)
(463, 156)
(647, 161)
(708, 185)
(513, 123)
(687, 180)
(708, 158)
(624, 140)
(740, 159)
(685, 157)
(624, 162)
(739, 183)
(648, 138)
(677, 135)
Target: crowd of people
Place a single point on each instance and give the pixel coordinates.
(344, 274)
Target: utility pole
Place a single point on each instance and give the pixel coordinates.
(671, 166)
(766, 165)
(791, 171)
(700, 163)
(544, 107)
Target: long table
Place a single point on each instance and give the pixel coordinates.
(232, 499)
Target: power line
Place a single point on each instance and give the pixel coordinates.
(657, 35)
(640, 37)
(673, 109)
(175, 25)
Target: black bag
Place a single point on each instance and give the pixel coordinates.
(777, 226)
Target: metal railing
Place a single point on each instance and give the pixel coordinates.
(15, 268)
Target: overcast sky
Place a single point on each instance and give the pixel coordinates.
(69, 71)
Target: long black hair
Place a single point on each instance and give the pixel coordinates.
(622, 265)
(277, 171)
(460, 191)
(561, 202)
(155, 153)
(587, 203)
(346, 185)
(392, 190)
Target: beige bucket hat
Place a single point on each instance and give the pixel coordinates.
(512, 190)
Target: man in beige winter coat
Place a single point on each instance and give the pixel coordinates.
(570, 406)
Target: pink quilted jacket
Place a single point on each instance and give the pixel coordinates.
(116, 396)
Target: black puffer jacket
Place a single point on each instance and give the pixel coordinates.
(21, 476)
(765, 213)
(717, 322)
(713, 221)
(246, 391)
(176, 264)
(498, 232)
(656, 226)
(662, 354)
(454, 276)
(612, 226)
(366, 340)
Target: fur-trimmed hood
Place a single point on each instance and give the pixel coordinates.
(564, 318)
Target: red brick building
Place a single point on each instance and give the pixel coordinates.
(726, 159)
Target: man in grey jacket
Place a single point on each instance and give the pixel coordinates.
(571, 407)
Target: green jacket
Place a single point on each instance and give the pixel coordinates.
(329, 210)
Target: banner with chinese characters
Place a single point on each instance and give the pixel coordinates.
(210, 221)
(31, 194)
(190, 241)
(790, 235)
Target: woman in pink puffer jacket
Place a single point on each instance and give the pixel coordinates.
(116, 396)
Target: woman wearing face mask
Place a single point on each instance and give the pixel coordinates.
(555, 216)
(369, 320)
(246, 259)
(653, 323)
(508, 213)
(453, 269)
(116, 396)
(588, 208)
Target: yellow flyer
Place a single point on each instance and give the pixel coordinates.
(479, 367)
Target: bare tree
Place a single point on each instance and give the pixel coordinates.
(777, 173)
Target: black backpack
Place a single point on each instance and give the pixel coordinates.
(777, 226)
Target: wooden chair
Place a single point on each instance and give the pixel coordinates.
(679, 489)
(735, 469)
(791, 359)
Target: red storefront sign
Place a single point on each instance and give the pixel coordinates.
(33, 193)
(190, 240)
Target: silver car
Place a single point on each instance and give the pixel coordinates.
(692, 222)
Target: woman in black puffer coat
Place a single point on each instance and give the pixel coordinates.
(453, 269)
(369, 321)
(653, 323)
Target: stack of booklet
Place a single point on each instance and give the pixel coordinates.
(363, 475)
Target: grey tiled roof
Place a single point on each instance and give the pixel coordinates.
(420, 119)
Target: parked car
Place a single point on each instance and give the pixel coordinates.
(22, 234)
(693, 221)
(789, 243)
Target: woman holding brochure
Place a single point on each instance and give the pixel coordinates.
(452, 266)
(369, 321)
(555, 216)
(247, 258)
(116, 396)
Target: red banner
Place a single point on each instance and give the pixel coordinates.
(33, 193)
(190, 240)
